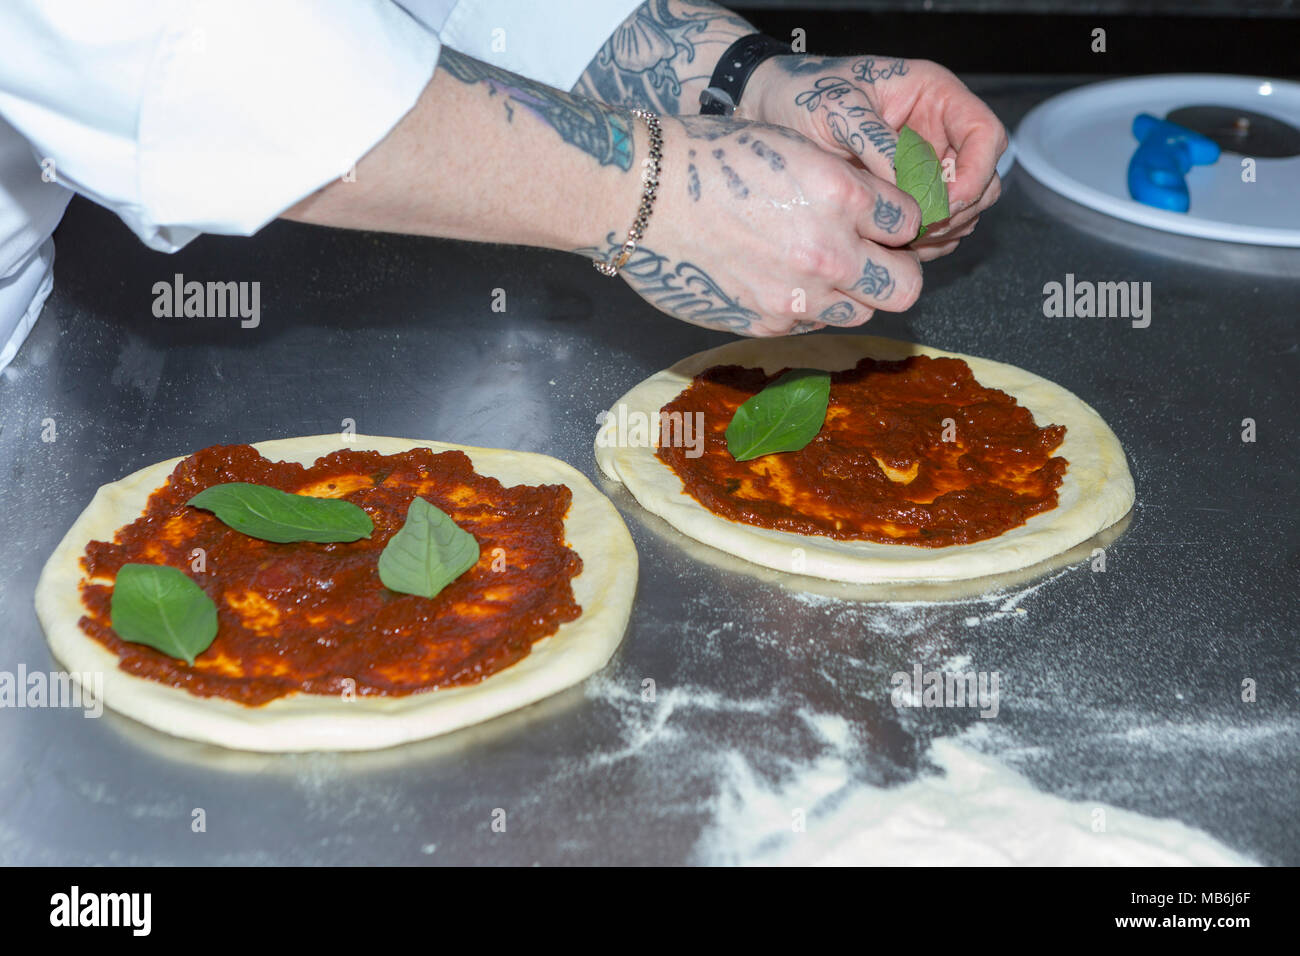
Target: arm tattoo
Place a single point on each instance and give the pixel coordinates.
(683, 290)
(595, 130)
(875, 281)
(653, 55)
(887, 215)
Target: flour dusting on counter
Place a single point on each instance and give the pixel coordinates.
(978, 812)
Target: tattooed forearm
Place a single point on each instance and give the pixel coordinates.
(875, 281)
(595, 130)
(662, 56)
(682, 289)
(887, 215)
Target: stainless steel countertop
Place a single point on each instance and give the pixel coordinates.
(1122, 687)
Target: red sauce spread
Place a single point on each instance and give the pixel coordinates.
(880, 469)
(310, 617)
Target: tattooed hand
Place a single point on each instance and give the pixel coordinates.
(758, 231)
(854, 106)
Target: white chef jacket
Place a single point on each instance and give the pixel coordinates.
(193, 116)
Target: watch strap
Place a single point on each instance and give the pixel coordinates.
(734, 69)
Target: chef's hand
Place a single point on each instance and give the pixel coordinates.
(854, 106)
(758, 231)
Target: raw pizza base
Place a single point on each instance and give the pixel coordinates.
(1097, 490)
(301, 722)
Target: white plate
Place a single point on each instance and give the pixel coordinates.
(1079, 144)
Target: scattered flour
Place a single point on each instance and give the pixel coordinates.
(979, 812)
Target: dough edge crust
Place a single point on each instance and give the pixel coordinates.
(1097, 490)
(303, 722)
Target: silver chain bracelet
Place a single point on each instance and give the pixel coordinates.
(611, 266)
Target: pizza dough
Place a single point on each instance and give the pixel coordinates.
(300, 722)
(1097, 490)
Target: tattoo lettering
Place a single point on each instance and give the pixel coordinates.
(683, 290)
(887, 215)
(600, 133)
(833, 88)
(875, 281)
(854, 125)
(692, 178)
(869, 69)
(873, 132)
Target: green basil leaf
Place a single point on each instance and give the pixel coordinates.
(162, 607)
(785, 416)
(428, 553)
(275, 515)
(920, 175)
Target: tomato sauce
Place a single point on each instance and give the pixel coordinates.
(315, 618)
(913, 451)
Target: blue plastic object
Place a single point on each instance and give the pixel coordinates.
(1166, 151)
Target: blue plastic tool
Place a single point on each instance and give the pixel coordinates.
(1165, 153)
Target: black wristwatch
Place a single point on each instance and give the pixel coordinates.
(734, 69)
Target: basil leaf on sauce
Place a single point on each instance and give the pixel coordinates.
(275, 515)
(785, 416)
(920, 175)
(428, 553)
(162, 607)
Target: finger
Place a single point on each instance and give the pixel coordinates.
(942, 248)
(929, 253)
(979, 139)
(861, 132)
(843, 313)
(955, 223)
(949, 230)
(888, 279)
(889, 215)
(804, 326)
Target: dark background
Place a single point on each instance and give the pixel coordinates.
(1261, 38)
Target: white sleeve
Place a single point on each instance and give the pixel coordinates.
(552, 43)
(193, 116)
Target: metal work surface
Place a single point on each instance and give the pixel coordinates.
(1122, 688)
